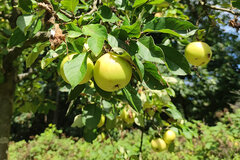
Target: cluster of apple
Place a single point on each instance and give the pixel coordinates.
(159, 144)
(110, 72)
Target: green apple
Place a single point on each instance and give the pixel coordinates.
(169, 136)
(102, 121)
(128, 116)
(150, 112)
(158, 144)
(112, 72)
(198, 53)
(88, 75)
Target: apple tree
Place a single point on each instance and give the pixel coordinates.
(115, 58)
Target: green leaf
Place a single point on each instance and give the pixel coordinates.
(70, 4)
(168, 23)
(89, 135)
(75, 92)
(176, 62)
(236, 3)
(152, 79)
(95, 30)
(159, 2)
(79, 121)
(110, 122)
(133, 30)
(52, 55)
(77, 44)
(76, 69)
(168, 31)
(63, 17)
(116, 43)
(92, 113)
(26, 5)
(95, 45)
(37, 26)
(74, 34)
(171, 147)
(98, 34)
(140, 68)
(139, 120)
(107, 15)
(107, 106)
(132, 97)
(16, 38)
(138, 3)
(35, 52)
(173, 112)
(149, 51)
(24, 21)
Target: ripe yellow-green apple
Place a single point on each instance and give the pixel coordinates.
(158, 14)
(128, 115)
(102, 121)
(198, 53)
(169, 136)
(87, 76)
(111, 72)
(158, 144)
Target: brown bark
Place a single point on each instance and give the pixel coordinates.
(7, 89)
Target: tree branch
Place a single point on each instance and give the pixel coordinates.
(66, 14)
(94, 8)
(24, 75)
(14, 52)
(218, 8)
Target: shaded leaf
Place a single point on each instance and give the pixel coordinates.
(132, 97)
(152, 79)
(92, 113)
(16, 38)
(133, 30)
(107, 15)
(168, 23)
(35, 52)
(75, 92)
(26, 5)
(176, 62)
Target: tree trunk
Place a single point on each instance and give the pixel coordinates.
(7, 89)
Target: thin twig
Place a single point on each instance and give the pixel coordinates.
(66, 14)
(24, 75)
(94, 8)
(218, 8)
